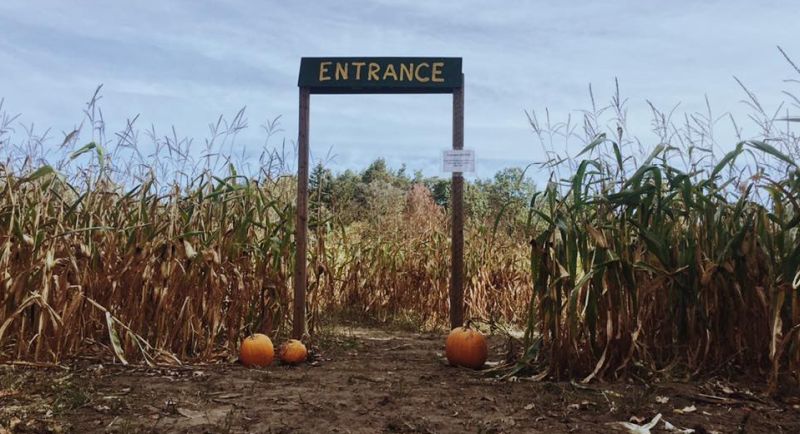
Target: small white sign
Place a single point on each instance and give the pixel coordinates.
(461, 160)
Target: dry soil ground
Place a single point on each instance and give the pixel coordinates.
(370, 381)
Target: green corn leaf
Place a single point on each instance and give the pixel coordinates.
(84, 149)
(728, 158)
(771, 150)
(577, 181)
(629, 197)
(618, 156)
(38, 173)
(600, 138)
(645, 166)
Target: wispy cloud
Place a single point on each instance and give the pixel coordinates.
(184, 62)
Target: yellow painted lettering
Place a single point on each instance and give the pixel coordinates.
(341, 71)
(418, 76)
(436, 72)
(390, 72)
(406, 72)
(323, 69)
(374, 69)
(358, 66)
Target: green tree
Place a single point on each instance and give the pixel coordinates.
(320, 184)
(377, 171)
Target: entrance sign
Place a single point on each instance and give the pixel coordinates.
(380, 74)
(345, 75)
(458, 160)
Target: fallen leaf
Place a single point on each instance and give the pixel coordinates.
(685, 410)
(191, 414)
(638, 429)
(530, 406)
(114, 339)
(670, 427)
(662, 399)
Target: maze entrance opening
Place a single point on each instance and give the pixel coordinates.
(370, 75)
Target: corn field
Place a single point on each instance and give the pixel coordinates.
(186, 275)
(629, 263)
(167, 271)
(678, 262)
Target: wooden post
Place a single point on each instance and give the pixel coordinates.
(457, 201)
(301, 226)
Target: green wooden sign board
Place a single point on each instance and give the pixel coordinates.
(380, 74)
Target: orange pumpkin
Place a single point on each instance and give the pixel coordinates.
(257, 350)
(293, 351)
(466, 347)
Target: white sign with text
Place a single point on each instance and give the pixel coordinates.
(461, 160)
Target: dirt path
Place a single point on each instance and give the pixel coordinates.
(373, 382)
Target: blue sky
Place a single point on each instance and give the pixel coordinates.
(183, 63)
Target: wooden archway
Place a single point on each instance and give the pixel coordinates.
(351, 75)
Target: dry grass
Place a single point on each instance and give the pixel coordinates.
(171, 257)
